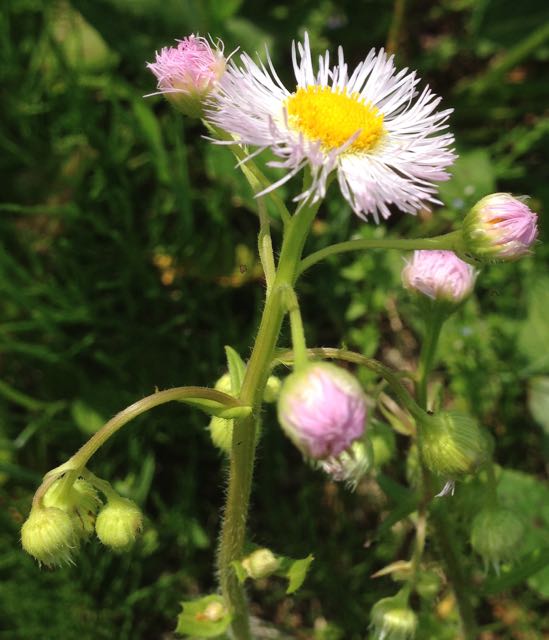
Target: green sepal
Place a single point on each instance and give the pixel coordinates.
(218, 409)
(206, 617)
(237, 369)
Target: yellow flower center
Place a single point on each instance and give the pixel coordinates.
(331, 117)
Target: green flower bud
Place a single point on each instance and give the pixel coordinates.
(260, 564)
(392, 619)
(214, 612)
(224, 384)
(118, 524)
(495, 535)
(79, 500)
(272, 389)
(49, 535)
(452, 444)
(221, 433)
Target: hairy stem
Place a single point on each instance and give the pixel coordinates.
(243, 446)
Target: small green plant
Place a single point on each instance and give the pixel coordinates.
(387, 146)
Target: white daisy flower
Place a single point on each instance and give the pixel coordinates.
(373, 127)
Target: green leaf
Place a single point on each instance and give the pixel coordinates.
(152, 133)
(206, 617)
(237, 368)
(295, 571)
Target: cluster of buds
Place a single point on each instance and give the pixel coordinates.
(68, 515)
(322, 409)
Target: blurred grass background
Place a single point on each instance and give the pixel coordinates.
(128, 261)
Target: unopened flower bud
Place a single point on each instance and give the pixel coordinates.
(260, 564)
(322, 409)
(221, 433)
(452, 444)
(392, 619)
(499, 227)
(351, 465)
(189, 72)
(495, 534)
(440, 275)
(49, 535)
(214, 612)
(79, 500)
(119, 523)
(272, 390)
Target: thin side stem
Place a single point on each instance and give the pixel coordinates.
(298, 334)
(450, 241)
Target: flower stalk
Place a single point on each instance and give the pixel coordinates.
(233, 531)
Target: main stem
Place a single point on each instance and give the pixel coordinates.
(233, 530)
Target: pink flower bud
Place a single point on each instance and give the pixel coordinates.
(500, 227)
(322, 409)
(187, 73)
(441, 275)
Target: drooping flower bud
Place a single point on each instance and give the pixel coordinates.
(499, 227)
(452, 444)
(260, 563)
(495, 534)
(188, 73)
(49, 535)
(119, 523)
(440, 275)
(79, 500)
(322, 409)
(351, 465)
(392, 619)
